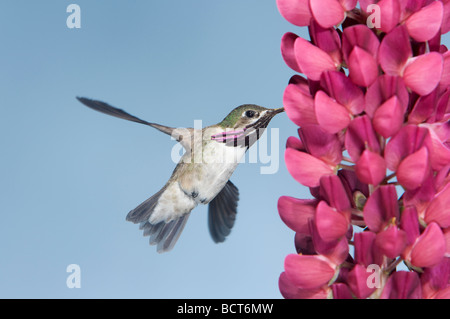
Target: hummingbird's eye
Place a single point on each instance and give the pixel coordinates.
(250, 113)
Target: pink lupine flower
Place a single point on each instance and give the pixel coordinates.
(341, 291)
(439, 209)
(290, 291)
(357, 281)
(421, 73)
(429, 248)
(373, 110)
(381, 207)
(315, 62)
(391, 241)
(370, 168)
(331, 224)
(308, 272)
(424, 24)
(402, 285)
(296, 213)
(435, 279)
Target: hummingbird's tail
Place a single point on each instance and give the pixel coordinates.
(164, 235)
(161, 219)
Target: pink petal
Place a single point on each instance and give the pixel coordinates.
(330, 223)
(304, 244)
(443, 105)
(439, 209)
(370, 168)
(312, 60)
(413, 170)
(423, 73)
(307, 272)
(361, 36)
(295, 143)
(296, 213)
(360, 136)
(443, 294)
(295, 11)
(421, 197)
(388, 118)
(446, 18)
(380, 207)
(348, 4)
(394, 51)
(389, 13)
(391, 241)
(332, 190)
(409, 222)
(411, 6)
(425, 23)
(357, 281)
(435, 278)
(327, 13)
(402, 285)
(321, 144)
(408, 140)
(290, 291)
(306, 169)
(326, 39)
(364, 242)
(447, 241)
(332, 116)
(364, 3)
(344, 91)
(287, 51)
(429, 248)
(362, 66)
(341, 291)
(299, 105)
(423, 108)
(334, 252)
(439, 152)
(445, 79)
(338, 253)
(384, 88)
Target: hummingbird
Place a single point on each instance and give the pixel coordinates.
(202, 175)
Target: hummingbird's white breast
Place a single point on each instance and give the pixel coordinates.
(212, 170)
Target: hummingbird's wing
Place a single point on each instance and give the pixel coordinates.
(113, 111)
(222, 212)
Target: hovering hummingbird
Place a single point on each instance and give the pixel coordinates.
(201, 176)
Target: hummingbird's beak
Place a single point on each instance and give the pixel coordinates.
(276, 111)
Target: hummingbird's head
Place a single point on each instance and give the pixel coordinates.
(249, 116)
(243, 123)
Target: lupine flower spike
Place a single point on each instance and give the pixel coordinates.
(371, 97)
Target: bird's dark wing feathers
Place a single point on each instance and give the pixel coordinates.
(116, 112)
(222, 212)
(110, 110)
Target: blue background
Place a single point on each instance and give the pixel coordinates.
(69, 175)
